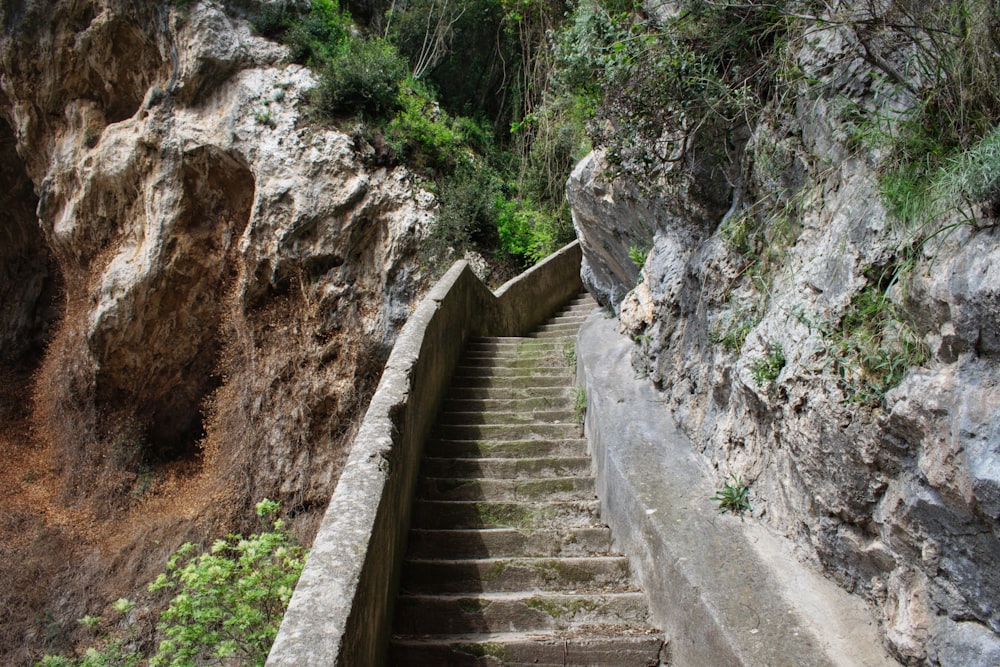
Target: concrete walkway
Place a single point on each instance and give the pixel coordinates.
(726, 591)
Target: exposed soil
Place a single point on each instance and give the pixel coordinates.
(61, 561)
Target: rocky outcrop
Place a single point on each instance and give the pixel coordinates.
(232, 272)
(897, 496)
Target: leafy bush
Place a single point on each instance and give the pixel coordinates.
(315, 38)
(364, 76)
(468, 216)
(227, 604)
(228, 601)
(527, 232)
(423, 133)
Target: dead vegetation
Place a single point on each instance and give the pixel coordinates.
(88, 516)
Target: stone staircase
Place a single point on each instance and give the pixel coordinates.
(508, 561)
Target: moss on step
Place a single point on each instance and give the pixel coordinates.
(556, 608)
(473, 605)
(496, 570)
(534, 489)
(557, 570)
(484, 650)
(505, 514)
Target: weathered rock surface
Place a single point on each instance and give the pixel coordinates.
(233, 273)
(899, 499)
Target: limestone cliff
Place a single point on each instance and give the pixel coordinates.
(897, 497)
(214, 278)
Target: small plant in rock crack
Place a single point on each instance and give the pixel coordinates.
(638, 255)
(733, 497)
(579, 403)
(767, 368)
(569, 352)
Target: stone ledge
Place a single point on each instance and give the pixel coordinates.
(725, 591)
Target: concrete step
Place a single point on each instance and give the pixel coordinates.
(527, 371)
(508, 392)
(506, 468)
(566, 328)
(508, 432)
(444, 514)
(589, 574)
(517, 612)
(511, 355)
(508, 490)
(553, 335)
(454, 544)
(531, 448)
(565, 415)
(520, 405)
(530, 382)
(594, 648)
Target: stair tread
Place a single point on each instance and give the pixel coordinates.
(508, 560)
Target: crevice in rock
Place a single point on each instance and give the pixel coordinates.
(29, 285)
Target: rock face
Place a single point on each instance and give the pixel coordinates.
(897, 498)
(232, 273)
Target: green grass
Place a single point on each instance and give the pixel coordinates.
(733, 497)
(579, 403)
(767, 368)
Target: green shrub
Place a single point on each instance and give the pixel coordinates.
(732, 329)
(638, 255)
(527, 232)
(364, 76)
(423, 133)
(228, 602)
(317, 37)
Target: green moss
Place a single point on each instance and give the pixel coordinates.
(504, 514)
(557, 570)
(484, 650)
(556, 608)
(496, 570)
(535, 489)
(473, 605)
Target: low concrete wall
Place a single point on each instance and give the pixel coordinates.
(727, 592)
(341, 612)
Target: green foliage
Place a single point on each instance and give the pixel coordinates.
(733, 497)
(942, 153)
(528, 232)
(318, 37)
(90, 621)
(364, 75)
(874, 347)
(569, 352)
(767, 368)
(226, 607)
(467, 217)
(228, 602)
(423, 133)
(111, 655)
(732, 329)
(263, 117)
(682, 85)
(579, 403)
(638, 255)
